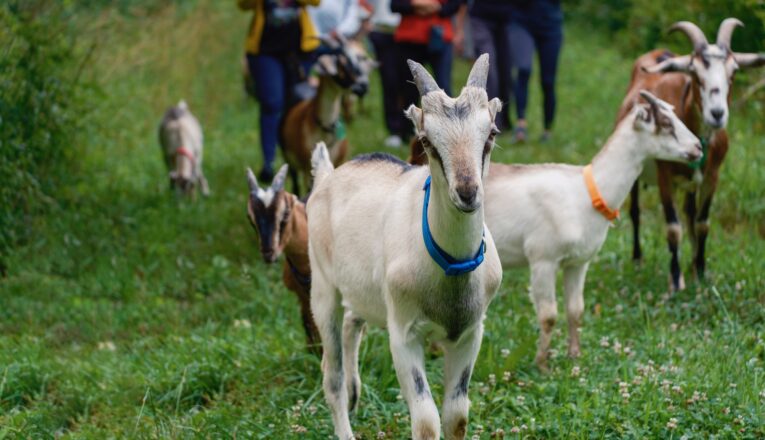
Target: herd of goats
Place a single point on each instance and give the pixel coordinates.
(418, 247)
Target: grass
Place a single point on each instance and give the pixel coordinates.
(133, 315)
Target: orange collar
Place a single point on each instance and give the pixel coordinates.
(598, 203)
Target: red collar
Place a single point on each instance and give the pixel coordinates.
(183, 151)
(598, 202)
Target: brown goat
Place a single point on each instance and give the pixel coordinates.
(279, 219)
(698, 86)
(345, 68)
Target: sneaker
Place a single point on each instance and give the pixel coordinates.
(546, 137)
(519, 135)
(393, 141)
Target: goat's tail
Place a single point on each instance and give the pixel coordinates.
(321, 163)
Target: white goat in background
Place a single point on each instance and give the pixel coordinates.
(369, 260)
(180, 136)
(544, 216)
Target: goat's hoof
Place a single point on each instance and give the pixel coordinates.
(680, 284)
(574, 352)
(542, 364)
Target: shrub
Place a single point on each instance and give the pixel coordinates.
(38, 106)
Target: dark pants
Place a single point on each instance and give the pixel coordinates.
(386, 51)
(274, 80)
(440, 62)
(492, 37)
(547, 40)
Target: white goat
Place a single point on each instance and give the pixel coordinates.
(180, 136)
(545, 216)
(369, 261)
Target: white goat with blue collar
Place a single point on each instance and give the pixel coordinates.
(370, 263)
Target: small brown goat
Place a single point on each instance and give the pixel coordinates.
(279, 219)
(698, 85)
(345, 68)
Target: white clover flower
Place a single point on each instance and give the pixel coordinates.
(575, 371)
(504, 352)
(672, 424)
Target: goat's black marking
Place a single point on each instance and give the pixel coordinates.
(383, 157)
(354, 396)
(637, 253)
(460, 110)
(462, 386)
(419, 382)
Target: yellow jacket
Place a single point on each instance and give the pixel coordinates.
(308, 40)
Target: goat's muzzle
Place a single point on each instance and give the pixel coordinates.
(468, 197)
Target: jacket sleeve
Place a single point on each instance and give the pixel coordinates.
(351, 21)
(450, 8)
(402, 6)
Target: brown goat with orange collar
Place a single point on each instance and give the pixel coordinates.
(280, 221)
(698, 85)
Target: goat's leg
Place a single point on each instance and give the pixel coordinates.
(708, 188)
(637, 253)
(543, 295)
(328, 315)
(353, 330)
(408, 359)
(311, 332)
(674, 230)
(573, 285)
(690, 217)
(204, 185)
(459, 360)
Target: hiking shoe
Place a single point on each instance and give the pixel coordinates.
(519, 135)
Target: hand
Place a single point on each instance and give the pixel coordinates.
(458, 41)
(426, 7)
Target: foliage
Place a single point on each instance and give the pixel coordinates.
(642, 24)
(39, 110)
(130, 314)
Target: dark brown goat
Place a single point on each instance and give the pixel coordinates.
(280, 221)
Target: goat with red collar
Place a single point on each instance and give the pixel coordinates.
(180, 136)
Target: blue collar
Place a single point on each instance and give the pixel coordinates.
(449, 264)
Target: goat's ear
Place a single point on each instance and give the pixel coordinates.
(252, 182)
(495, 106)
(675, 64)
(644, 118)
(278, 183)
(250, 211)
(745, 60)
(415, 115)
(327, 65)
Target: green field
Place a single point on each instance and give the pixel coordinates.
(130, 314)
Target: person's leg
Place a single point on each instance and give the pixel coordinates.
(549, 45)
(268, 75)
(387, 56)
(505, 74)
(522, 53)
(442, 67)
(409, 93)
(484, 42)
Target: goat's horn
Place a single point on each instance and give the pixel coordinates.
(251, 180)
(649, 97)
(422, 79)
(479, 72)
(697, 37)
(281, 176)
(726, 31)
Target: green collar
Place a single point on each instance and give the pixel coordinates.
(699, 163)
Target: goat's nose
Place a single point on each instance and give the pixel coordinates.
(717, 113)
(468, 194)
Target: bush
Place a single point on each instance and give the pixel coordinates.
(38, 106)
(642, 24)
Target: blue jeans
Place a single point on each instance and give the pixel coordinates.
(269, 75)
(274, 81)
